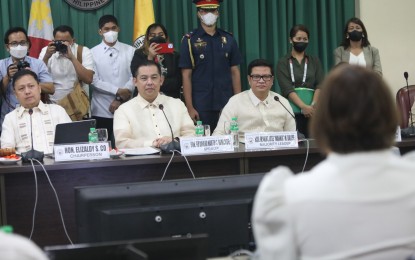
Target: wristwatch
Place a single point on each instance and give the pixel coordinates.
(118, 98)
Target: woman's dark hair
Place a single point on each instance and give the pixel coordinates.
(299, 27)
(355, 112)
(346, 41)
(147, 36)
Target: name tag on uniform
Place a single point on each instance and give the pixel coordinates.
(206, 144)
(270, 140)
(81, 151)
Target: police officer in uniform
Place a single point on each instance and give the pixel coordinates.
(209, 59)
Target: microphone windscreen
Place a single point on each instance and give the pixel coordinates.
(405, 74)
(161, 106)
(30, 111)
(276, 98)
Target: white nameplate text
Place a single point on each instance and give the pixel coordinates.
(206, 144)
(81, 151)
(270, 140)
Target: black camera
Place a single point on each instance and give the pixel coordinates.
(22, 65)
(60, 47)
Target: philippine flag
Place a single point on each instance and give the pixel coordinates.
(40, 29)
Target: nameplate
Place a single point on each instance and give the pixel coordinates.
(270, 140)
(206, 144)
(81, 151)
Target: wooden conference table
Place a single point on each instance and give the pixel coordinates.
(17, 182)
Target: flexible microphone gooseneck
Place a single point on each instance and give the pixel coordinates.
(173, 145)
(300, 136)
(32, 153)
(410, 130)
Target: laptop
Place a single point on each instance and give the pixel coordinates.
(73, 132)
(192, 247)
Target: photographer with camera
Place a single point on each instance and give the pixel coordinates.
(18, 44)
(68, 63)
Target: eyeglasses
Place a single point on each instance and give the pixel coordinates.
(15, 44)
(264, 77)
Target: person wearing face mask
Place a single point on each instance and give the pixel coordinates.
(17, 44)
(156, 34)
(355, 47)
(60, 56)
(112, 82)
(209, 59)
(299, 75)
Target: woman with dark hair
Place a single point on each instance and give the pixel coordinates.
(299, 75)
(358, 203)
(156, 34)
(356, 49)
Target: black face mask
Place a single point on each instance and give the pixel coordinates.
(157, 39)
(300, 46)
(355, 36)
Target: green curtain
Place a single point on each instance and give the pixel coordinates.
(261, 27)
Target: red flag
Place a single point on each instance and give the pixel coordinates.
(40, 30)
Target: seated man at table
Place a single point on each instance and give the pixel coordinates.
(258, 109)
(32, 119)
(140, 122)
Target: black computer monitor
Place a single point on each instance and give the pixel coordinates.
(176, 248)
(219, 206)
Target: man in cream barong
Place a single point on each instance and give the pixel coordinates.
(31, 118)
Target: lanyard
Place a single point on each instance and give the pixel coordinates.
(292, 72)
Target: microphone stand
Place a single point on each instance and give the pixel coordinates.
(300, 136)
(410, 130)
(173, 145)
(32, 153)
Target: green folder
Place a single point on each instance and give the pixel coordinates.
(306, 95)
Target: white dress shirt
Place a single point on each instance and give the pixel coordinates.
(137, 123)
(45, 117)
(112, 71)
(357, 59)
(352, 206)
(63, 71)
(255, 115)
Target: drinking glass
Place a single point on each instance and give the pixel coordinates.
(207, 130)
(102, 134)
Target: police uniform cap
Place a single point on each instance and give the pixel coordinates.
(207, 4)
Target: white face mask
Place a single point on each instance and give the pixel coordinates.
(19, 52)
(209, 19)
(111, 36)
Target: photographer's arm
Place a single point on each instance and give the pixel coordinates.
(47, 87)
(84, 74)
(11, 70)
(45, 54)
(5, 80)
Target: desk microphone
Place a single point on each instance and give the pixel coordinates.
(173, 145)
(410, 130)
(300, 136)
(32, 153)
